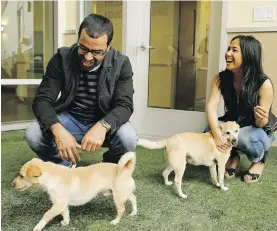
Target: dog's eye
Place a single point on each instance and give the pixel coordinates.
(236, 131)
(228, 133)
(20, 175)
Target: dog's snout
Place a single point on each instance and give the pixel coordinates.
(13, 184)
(234, 140)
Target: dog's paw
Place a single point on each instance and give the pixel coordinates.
(216, 184)
(168, 183)
(224, 188)
(182, 195)
(37, 228)
(64, 222)
(114, 222)
(40, 225)
(133, 213)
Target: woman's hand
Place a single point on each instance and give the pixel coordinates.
(221, 141)
(260, 113)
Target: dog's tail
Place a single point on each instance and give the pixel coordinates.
(152, 144)
(127, 163)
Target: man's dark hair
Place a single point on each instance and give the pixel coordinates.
(97, 25)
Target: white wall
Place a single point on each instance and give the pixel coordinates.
(240, 21)
(240, 13)
(70, 15)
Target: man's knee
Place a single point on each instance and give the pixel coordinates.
(33, 135)
(127, 137)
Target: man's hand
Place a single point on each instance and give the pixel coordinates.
(66, 143)
(94, 138)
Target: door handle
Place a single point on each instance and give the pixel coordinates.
(144, 47)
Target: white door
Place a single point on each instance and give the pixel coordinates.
(175, 49)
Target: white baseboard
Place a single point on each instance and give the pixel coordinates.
(151, 137)
(14, 126)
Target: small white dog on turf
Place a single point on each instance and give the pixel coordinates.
(78, 186)
(196, 149)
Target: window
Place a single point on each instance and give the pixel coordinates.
(27, 40)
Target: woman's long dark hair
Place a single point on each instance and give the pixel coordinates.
(254, 76)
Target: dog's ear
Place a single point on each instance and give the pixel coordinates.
(34, 171)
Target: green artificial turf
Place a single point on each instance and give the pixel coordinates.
(243, 207)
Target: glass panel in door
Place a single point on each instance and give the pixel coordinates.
(179, 62)
(113, 11)
(27, 38)
(15, 108)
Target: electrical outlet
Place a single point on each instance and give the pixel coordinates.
(264, 13)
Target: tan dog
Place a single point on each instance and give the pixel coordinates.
(78, 186)
(196, 149)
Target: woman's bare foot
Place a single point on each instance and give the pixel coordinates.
(254, 172)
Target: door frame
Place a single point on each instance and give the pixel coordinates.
(137, 16)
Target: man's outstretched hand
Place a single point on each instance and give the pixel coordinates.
(66, 143)
(94, 138)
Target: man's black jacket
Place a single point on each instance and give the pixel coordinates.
(115, 88)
